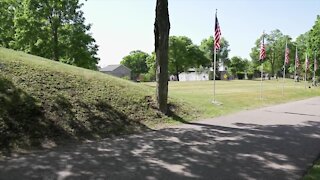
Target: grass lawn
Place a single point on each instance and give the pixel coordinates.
(237, 95)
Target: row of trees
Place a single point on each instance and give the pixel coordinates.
(308, 44)
(53, 29)
(183, 54)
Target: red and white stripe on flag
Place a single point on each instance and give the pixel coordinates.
(307, 63)
(287, 55)
(262, 50)
(217, 34)
(297, 59)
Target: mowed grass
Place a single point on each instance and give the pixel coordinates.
(237, 95)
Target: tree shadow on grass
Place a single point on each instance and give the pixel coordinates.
(245, 151)
(27, 122)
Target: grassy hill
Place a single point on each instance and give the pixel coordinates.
(46, 103)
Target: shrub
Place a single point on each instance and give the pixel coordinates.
(240, 75)
(250, 75)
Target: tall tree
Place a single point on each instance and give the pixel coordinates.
(237, 64)
(7, 8)
(275, 50)
(222, 55)
(183, 54)
(54, 29)
(313, 42)
(161, 33)
(137, 62)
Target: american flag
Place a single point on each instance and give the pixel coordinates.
(217, 34)
(297, 58)
(307, 63)
(286, 56)
(262, 50)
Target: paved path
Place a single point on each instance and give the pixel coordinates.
(277, 142)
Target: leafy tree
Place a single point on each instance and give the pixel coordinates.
(53, 29)
(313, 42)
(275, 43)
(151, 64)
(206, 46)
(237, 64)
(7, 8)
(183, 54)
(161, 34)
(137, 62)
(222, 55)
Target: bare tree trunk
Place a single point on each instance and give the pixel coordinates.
(55, 43)
(161, 33)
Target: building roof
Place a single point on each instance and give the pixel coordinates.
(112, 67)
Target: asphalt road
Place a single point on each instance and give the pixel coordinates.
(278, 142)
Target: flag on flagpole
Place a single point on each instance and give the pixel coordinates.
(307, 63)
(297, 58)
(262, 50)
(286, 56)
(217, 34)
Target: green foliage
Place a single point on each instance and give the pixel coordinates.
(137, 62)
(222, 55)
(250, 75)
(275, 43)
(237, 64)
(6, 21)
(240, 75)
(53, 29)
(183, 54)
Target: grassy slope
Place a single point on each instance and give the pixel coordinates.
(46, 102)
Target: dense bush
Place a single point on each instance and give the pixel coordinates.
(240, 75)
(250, 75)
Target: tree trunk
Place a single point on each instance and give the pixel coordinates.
(272, 63)
(161, 32)
(55, 43)
(177, 72)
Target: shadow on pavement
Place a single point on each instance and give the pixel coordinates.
(245, 151)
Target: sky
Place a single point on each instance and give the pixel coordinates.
(122, 26)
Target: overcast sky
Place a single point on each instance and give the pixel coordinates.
(121, 26)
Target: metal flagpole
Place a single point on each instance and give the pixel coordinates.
(284, 68)
(295, 67)
(214, 73)
(216, 30)
(261, 81)
(262, 56)
(305, 75)
(314, 70)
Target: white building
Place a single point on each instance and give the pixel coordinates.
(192, 75)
